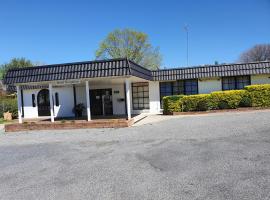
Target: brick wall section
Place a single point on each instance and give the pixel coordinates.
(110, 123)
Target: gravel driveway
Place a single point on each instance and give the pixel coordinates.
(215, 156)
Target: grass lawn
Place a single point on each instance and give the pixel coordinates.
(2, 121)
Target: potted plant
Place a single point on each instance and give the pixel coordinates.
(78, 110)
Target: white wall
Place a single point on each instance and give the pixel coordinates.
(81, 97)
(206, 86)
(154, 97)
(29, 110)
(66, 102)
(260, 79)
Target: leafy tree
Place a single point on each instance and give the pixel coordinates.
(130, 44)
(259, 52)
(14, 63)
(1, 74)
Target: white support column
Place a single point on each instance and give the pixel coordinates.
(128, 99)
(87, 100)
(19, 101)
(51, 102)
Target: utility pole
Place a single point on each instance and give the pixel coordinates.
(186, 30)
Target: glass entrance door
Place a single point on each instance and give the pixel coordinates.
(101, 102)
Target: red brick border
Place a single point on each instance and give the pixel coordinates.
(109, 123)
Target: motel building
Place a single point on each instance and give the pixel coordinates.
(119, 87)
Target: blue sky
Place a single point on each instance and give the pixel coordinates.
(55, 31)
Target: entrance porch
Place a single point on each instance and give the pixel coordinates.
(80, 100)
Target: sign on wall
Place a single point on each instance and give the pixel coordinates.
(68, 82)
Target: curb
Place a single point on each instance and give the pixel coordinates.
(221, 111)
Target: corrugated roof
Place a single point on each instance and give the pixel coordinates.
(78, 70)
(125, 67)
(208, 71)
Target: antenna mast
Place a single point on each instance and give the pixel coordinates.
(186, 28)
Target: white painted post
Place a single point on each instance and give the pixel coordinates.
(19, 101)
(51, 102)
(88, 100)
(128, 102)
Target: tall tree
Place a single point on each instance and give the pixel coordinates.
(14, 63)
(130, 44)
(259, 52)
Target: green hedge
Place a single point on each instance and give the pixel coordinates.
(254, 95)
(172, 104)
(199, 102)
(8, 104)
(259, 95)
(230, 99)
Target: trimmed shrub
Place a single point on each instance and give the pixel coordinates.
(199, 102)
(259, 95)
(226, 99)
(245, 101)
(8, 105)
(223, 105)
(254, 95)
(172, 104)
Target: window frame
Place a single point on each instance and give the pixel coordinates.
(236, 82)
(192, 81)
(172, 86)
(33, 100)
(56, 96)
(140, 95)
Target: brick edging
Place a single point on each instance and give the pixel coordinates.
(68, 125)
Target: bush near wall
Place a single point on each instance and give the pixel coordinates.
(8, 104)
(259, 95)
(254, 95)
(172, 104)
(230, 99)
(199, 102)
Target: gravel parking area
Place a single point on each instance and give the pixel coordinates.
(213, 156)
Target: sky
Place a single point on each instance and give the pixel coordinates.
(60, 31)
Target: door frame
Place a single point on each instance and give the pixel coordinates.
(102, 92)
(48, 111)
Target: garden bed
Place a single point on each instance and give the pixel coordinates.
(74, 124)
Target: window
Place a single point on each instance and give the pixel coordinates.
(191, 86)
(140, 96)
(242, 81)
(165, 90)
(56, 99)
(178, 87)
(235, 82)
(33, 100)
(187, 87)
(228, 83)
